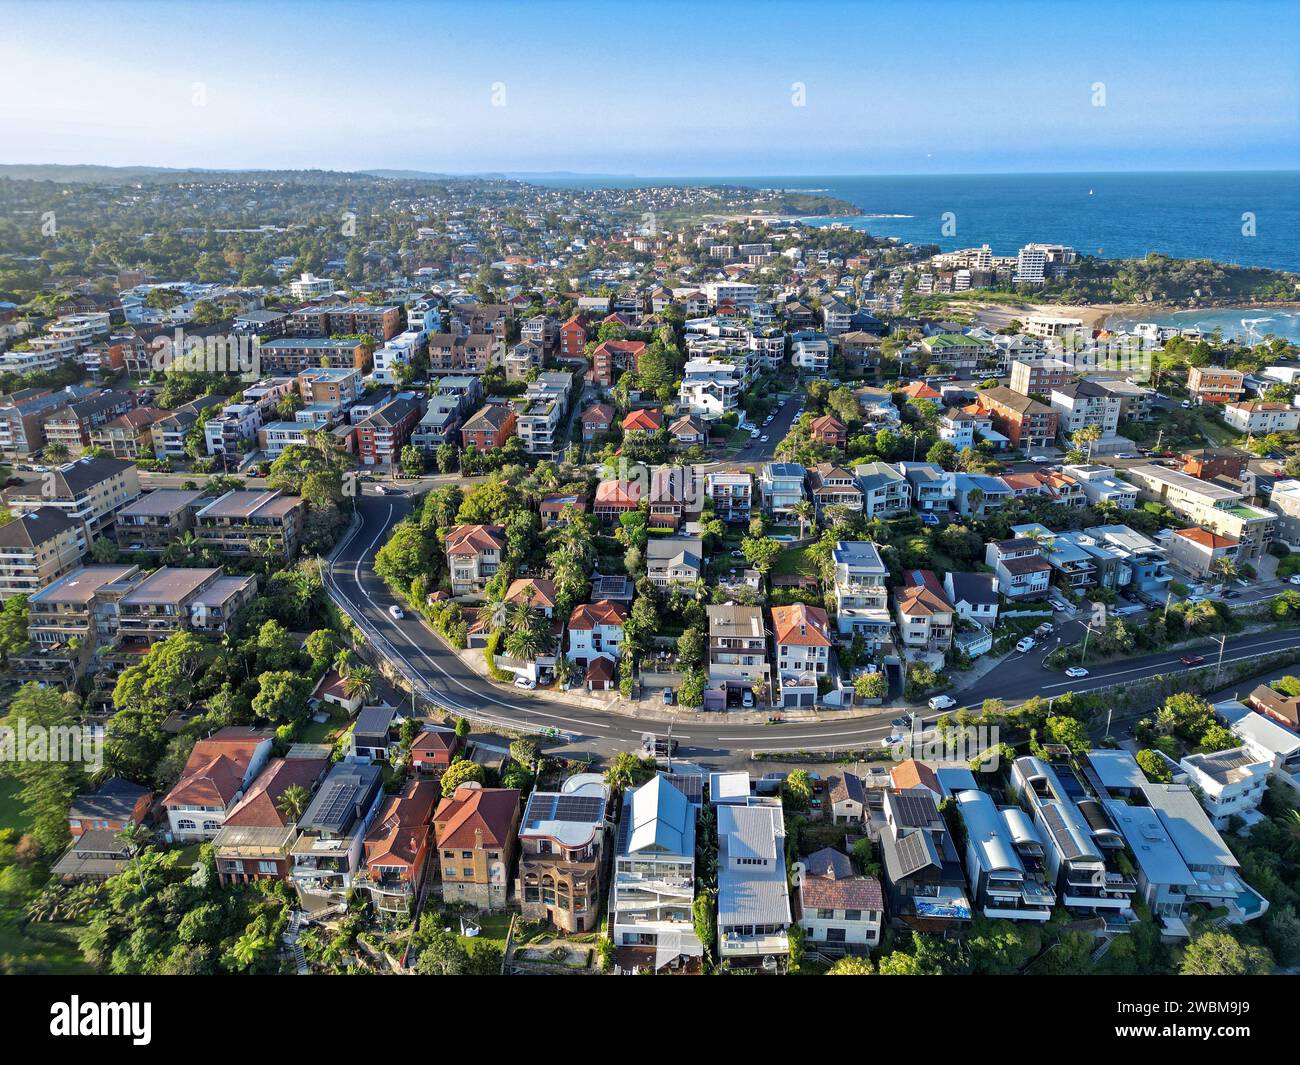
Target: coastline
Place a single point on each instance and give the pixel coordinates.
(1096, 315)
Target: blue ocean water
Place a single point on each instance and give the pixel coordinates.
(1117, 215)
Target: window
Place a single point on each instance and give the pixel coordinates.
(835, 935)
(267, 867)
(825, 915)
(185, 825)
(853, 915)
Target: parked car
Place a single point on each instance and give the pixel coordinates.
(1196, 599)
(1074, 672)
(1026, 644)
(525, 682)
(1192, 660)
(747, 700)
(668, 697)
(1045, 629)
(941, 702)
(1294, 579)
(1040, 458)
(397, 612)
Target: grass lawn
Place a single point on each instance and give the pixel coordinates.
(12, 814)
(493, 929)
(795, 563)
(39, 947)
(319, 731)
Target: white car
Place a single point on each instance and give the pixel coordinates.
(1294, 580)
(941, 702)
(381, 490)
(1076, 672)
(1196, 599)
(1040, 458)
(525, 682)
(747, 700)
(397, 612)
(763, 439)
(1028, 643)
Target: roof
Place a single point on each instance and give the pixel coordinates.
(830, 883)
(914, 774)
(828, 423)
(798, 625)
(987, 832)
(79, 586)
(373, 722)
(1116, 769)
(490, 418)
(259, 806)
(732, 620)
(169, 585)
(1205, 538)
(644, 420)
(602, 413)
(215, 769)
(538, 592)
(659, 818)
(603, 612)
(161, 503)
(618, 493)
(250, 503)
(470, 540)
(922, 594)
(847, 787)
(475, 816)
(343, 798)
(401, 828)
(974, 588)
(36, 527)
(572, 816)
(1145, 833)
(114, 800)
(752, 893)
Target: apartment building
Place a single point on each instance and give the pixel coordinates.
(732, 492)
(562, 847)
(381, 437)
(1215, 384)
(612, 357)
(781, 486)
(966, 356)
(1209, 505)
(128, 436)
(249, 522)
(652, 901)
(477, 830)
(710, 389)
(676, 492)
(489, 427)
(573, 338)
(1284, 501)
(1025, 422)
(346, 319)
(1084, 405)
(233, 430)
(1201, 553)
(71, 426)
(38, 547)
(293, 355)
(1261, 417)
(336, 386)
(182, 599)
(739, 671)
(1039, 376)
(454, 353)
(91, 491)
(157, 519)
(474, 555)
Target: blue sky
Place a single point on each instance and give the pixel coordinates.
(666, 88)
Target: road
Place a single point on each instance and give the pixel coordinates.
(448, 683)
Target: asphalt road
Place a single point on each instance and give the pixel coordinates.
(451, 685)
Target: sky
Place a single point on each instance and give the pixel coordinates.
(664, 88)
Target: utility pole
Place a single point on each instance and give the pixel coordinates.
(1223, 642)
(1169, 595)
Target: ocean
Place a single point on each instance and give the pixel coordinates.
(1115, 216)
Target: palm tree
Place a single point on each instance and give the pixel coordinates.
(135, 838)
(1225, 567)
(360, 683)
(805, 512)
(293, 802)
(530, 633)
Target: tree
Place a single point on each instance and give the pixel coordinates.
(1069, 731)
(282, 696)
(629, 771)
(135, 837)
(761, 553)
(690, 648)
(104, 551)
(360, 683)
(525, 751)
(691, 690)
(871, 686)
(852, 966)
(412, 460)
(799, 789)
(529, 633)
(458, 773)
(805, 512)
(1154, 767)
(13, 626)
(1220, 953)
(293, 801)
(405, 556)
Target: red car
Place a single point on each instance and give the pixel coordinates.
(1193, 660)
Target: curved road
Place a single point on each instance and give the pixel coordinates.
(447, 682)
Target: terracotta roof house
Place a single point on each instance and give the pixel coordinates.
(397, 844)
(1196, 551)
(925, 617)
(489, 427)
(802, 638)
(552, 508)
(597, 419)
(260, 805)
(688, 430)
(1284, 709)
(433, 749)
(920, 390)
(473, 556)
(840, 909)
(476, 829)
(614, 498)
(215, 776)
(830, 431)
(913, 774)
(644, 420)
(539, 593)
(595, 630)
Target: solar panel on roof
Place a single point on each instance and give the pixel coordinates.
(337, 801)
(915, 810)
(1069, 847)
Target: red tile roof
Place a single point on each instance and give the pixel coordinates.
(476, 816)
(604, 612)
(471, 540)
(644, 420)
(401, 831)
(258, 809)
(798, 625)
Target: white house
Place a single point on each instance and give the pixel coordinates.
(596, 629)
(841, 910)
(1232, 783)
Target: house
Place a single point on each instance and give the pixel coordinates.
(1004, 860)
(1264, 738)
(433, 749)
(957, 426)
(732, 493)
(711, 388)
(978, 494)
(925, 617)
(801, 635)
(832, 486)
(848, 795)
(1273, 704)
(689, 431)
(910, 774)
(157, 519)
(1215, 384)
(1074, 865)
(216, 774)
(739, 672)
(110, 807)
(651, 916)
(974, 596)
(1020, 568)
(829, 431)
(328, 852)
(675, 560)
(596, 421)
(561, 854)
(885, 490)
(489, 427)
(1262, 417)
(918, 390)
(474, 554)
(397, 845)
(933, 489)
(1143, 563)
(477, 834)
(1100, 485)
(333, 689)
(615, 498)
(39, 547)
(840, 910)
(781, 487)
(924, 885)
(93, 856)
(537, 592)
(595, 630)
(643, 420)
(1230, 783)
(675, 493)
(753, 898)
(369, 739)
(862, 593)
(255, 838)
(554, 510)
